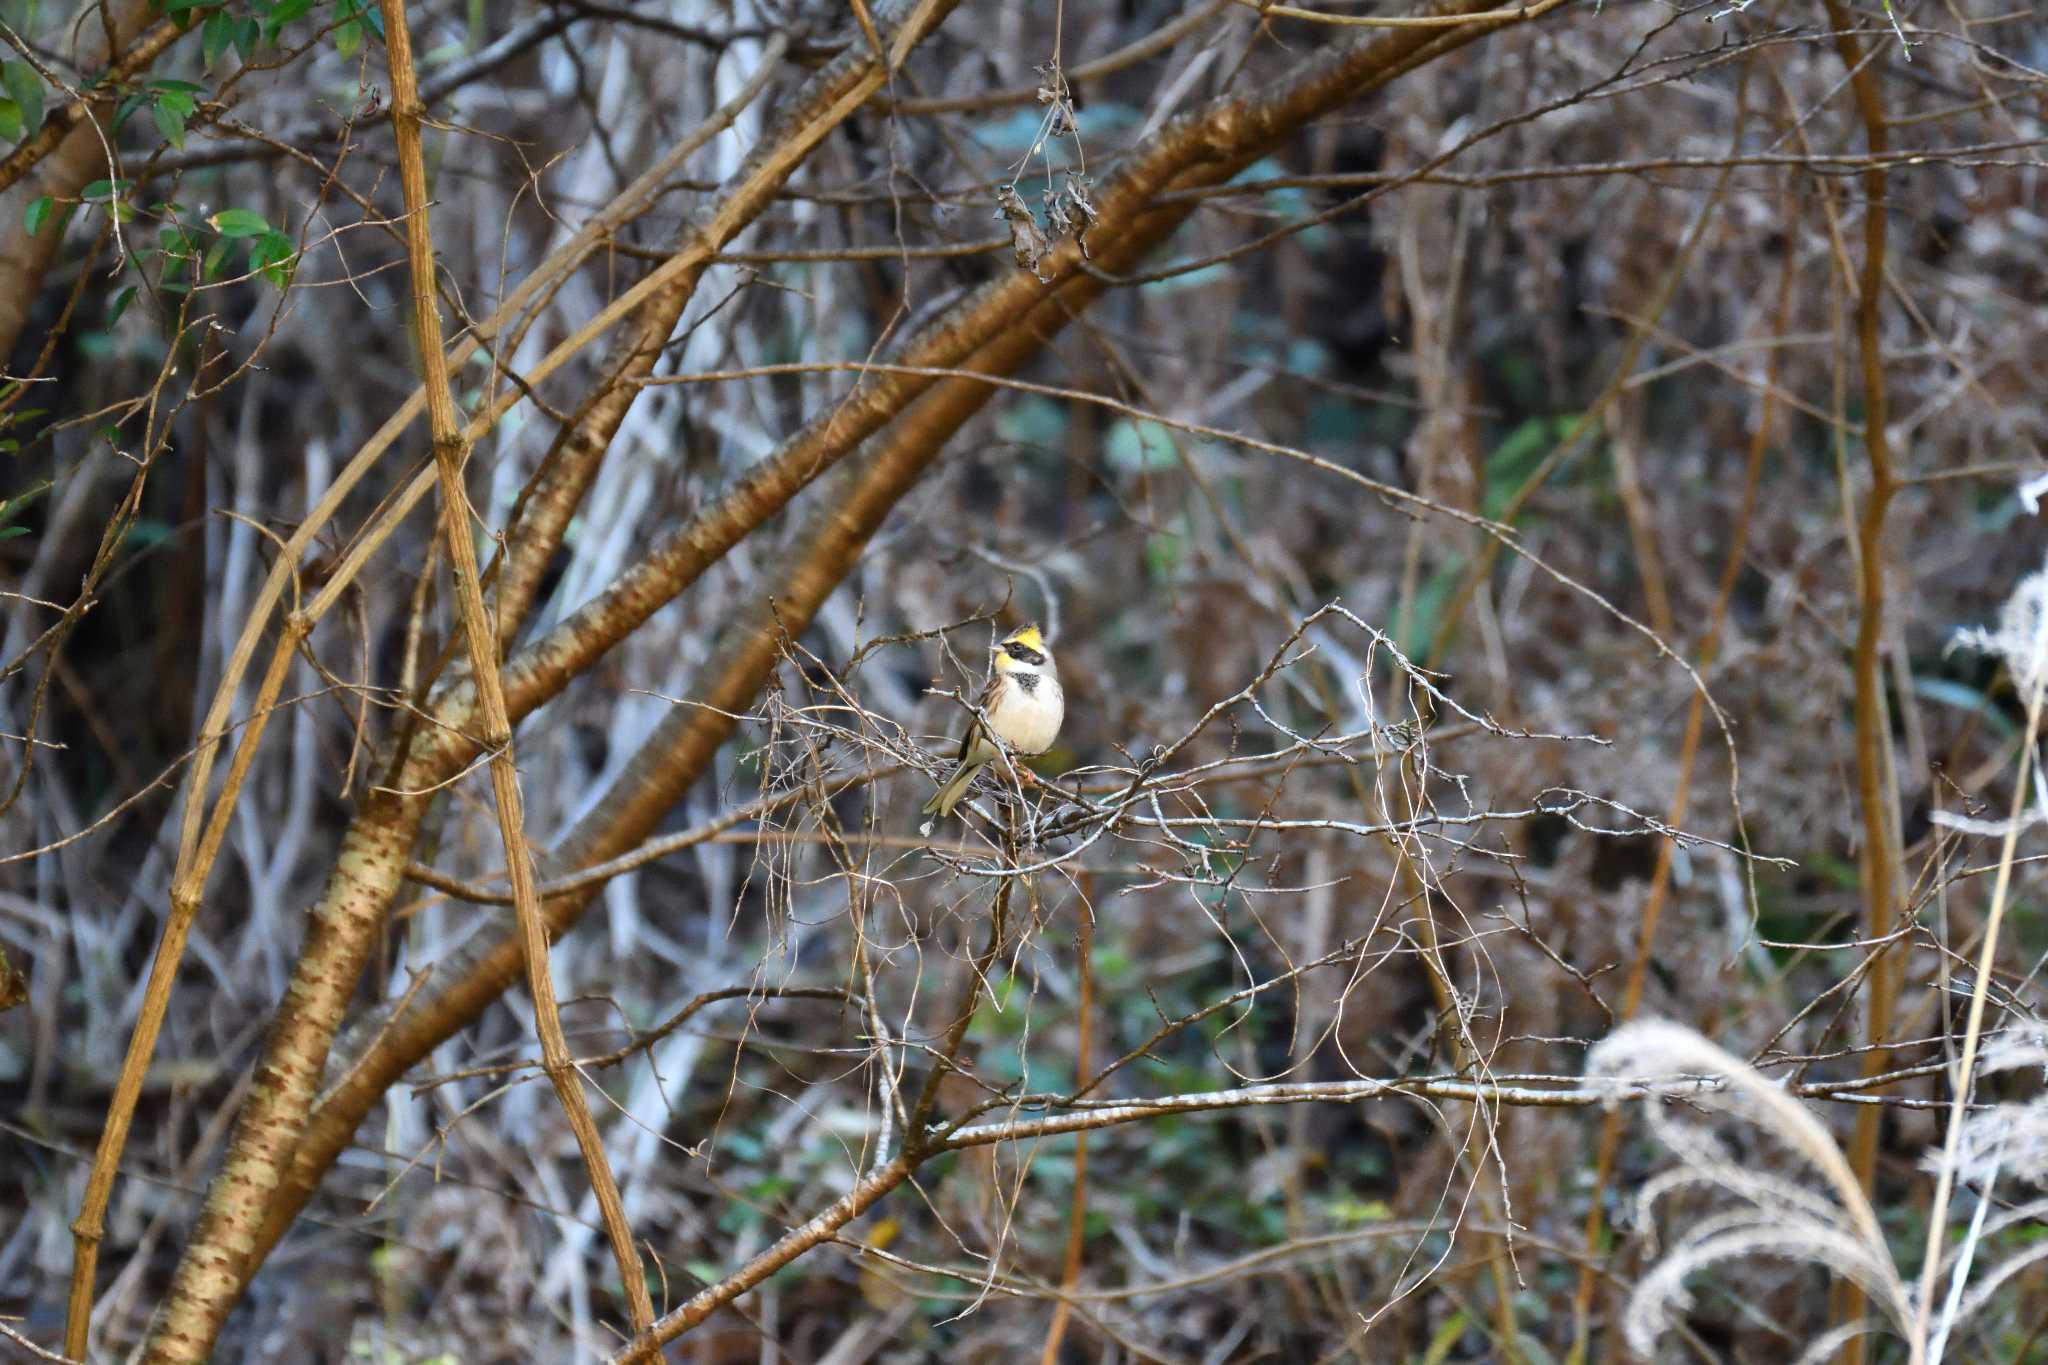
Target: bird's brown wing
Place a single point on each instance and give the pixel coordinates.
(986, 700)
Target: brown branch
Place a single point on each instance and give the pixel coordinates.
(1410, 21)
(451, 453)
(1873, 719)
(792, 1244)
(346, 920)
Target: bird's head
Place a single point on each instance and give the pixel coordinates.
(1023, 649)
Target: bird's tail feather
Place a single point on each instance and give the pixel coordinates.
(949, 793)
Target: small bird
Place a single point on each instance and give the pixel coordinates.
(1023, 705)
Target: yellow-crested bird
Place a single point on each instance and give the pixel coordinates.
(1023, 707)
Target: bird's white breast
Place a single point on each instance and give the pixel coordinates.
(1029, 719)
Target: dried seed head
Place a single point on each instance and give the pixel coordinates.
(2021, 638)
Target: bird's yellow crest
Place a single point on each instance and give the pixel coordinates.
(1027, 637)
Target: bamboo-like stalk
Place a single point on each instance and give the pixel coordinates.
(1873, 720)
(186, 889)
(451, 454)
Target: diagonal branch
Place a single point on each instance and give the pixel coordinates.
(451, 453)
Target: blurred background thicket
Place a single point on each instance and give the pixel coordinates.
(1576, 325)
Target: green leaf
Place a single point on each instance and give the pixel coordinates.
(36, 214)
(1446, 1340)
(274, 255)
(239, 223)
(181, 97)
(248, 37)
(1033, 420)
(219, 253)
(1516, 460)
(282, 13)
(25, 87)
(105, 189)
(121, 302)
(170, 123)
(1968, 700)
(1134, 446)
(127, 109)
(13, 507)
(215, 37)
(10, 120)
(348, 38)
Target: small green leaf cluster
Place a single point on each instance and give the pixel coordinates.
(262, 21)
(272, 254)
(170, 103)
(192, 248)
